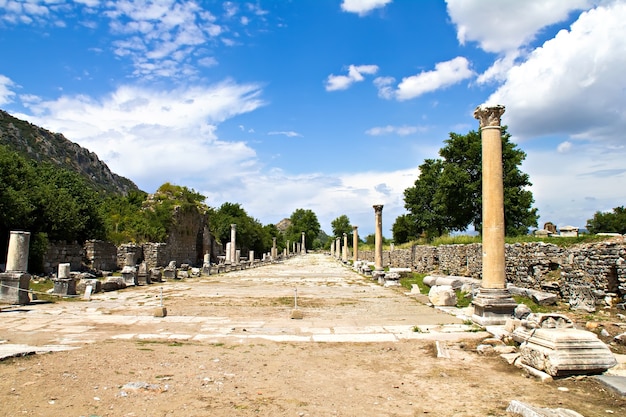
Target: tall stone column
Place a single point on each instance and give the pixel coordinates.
(303, 242)
(344, 250)
(287, 247)
(338, 247)
(493, 303)
(378, 238)
(233, 244)
(274, 249)
(355, 243)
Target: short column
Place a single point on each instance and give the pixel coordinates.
(17, 254)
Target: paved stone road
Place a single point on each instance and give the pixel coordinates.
(338, 305)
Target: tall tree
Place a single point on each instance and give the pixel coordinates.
(342, 225)
(404, 229)
(426, 201)
(608, 222)
(448, 194)
(303, 221)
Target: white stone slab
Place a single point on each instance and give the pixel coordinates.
(358, 330)
(126, 336)
(343, 338)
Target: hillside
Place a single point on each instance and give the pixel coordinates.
(42, 145)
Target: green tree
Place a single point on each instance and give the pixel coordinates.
(404, 229)
(426, 203)
(448, 194)
(251, 234)
(608, 222)
(303, 221)
(342, 225)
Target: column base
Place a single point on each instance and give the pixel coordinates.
(493, 306)
(14, 287)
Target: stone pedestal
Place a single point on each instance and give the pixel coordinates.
(14, 287)
(64, 286)
(550, 344)
(493, 306)
(129, 273)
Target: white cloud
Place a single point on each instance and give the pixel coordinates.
(389, 129)
(289, 134)
(328, 195)
(501, 26)
(355, 74)
(157, 136)
(574, 83)
(564, 147)
(6, 92)
(362, 7)
(444, 75)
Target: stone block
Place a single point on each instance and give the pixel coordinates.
(113, 284)
(565, 351)
(14, 287)
(442, 295)
(64, 286)
(582, 298)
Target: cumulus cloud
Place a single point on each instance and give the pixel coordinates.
(328, 194)
(355, 74)
(158, 136)
(6, 92)
(506, 27)
(362, 7)
(573, 84)
(564, 147)
(444, 75)
(500, 26)
(389, 129)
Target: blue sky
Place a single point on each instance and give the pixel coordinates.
(326, 105)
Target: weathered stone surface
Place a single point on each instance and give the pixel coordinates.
(527, 410)
(620, 338)
(113, 284)
(442, 295)
(522, 311)
(96, 285)
(581, 298)
(551, 345)
(14, 287)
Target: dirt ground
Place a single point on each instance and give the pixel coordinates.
(243, 375)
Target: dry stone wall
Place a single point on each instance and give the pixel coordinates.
(100, 255)
(536, 265)
(62, 252)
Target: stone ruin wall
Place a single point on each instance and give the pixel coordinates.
(100, 255)
(190, 238)
(535, 265)
(188, 241)
(63, 252)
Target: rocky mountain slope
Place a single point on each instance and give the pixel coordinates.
(42, 145)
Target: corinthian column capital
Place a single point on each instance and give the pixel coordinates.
(489, 116)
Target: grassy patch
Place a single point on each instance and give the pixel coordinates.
(534, 307)
(415, 278)
(462, 300)
(40, 287)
